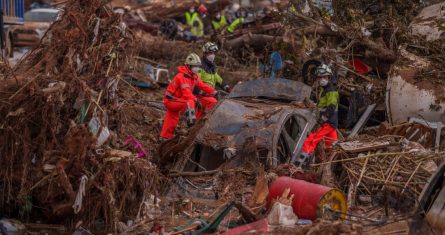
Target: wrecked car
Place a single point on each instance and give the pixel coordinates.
(261, 121)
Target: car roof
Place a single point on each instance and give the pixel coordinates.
(282, 89)
(46, 10)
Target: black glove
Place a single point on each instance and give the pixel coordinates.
(227, 88)
(197, 91)
(198, 105)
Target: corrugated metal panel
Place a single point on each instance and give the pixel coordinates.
(13, 11)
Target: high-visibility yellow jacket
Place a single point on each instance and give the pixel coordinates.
(218, 24)
(235, 24)
(190, 17)
(197, 27)
(328, 100)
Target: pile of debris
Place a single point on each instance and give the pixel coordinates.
(58, 113)
(79, 139)
(388, 168)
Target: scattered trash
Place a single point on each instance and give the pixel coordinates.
(281, 215)
(95, 126)
(359, 66)
(136, 145)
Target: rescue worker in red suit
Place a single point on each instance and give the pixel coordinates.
(327, 105)
(186, 92)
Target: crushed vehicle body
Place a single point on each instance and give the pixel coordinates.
(261, 121)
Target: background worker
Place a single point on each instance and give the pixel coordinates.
(238, 22)
(328, 100)
(235, 16)
(219, 21)
(198, 24)
(194, 23)
(179, 96)
(190, 16)
(208, 73)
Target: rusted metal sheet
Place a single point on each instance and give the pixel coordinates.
(416, 132)
(407, 98)
(283, 89)
(428, 22)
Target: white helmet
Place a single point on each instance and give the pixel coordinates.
(323, 70)
(210, 47)
(193, 60)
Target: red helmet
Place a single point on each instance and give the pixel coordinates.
(202, 9)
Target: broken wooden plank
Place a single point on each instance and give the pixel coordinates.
(358, 146)
(120, 153)
(362, 121)
(199, 173)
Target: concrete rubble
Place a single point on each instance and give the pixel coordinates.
(82, 112)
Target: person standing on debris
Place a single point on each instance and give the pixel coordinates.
(208, 73)
(328, 99)
(179, 96)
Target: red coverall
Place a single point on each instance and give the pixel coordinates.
(179, 93)
(325, 132)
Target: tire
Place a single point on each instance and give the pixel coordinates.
(169, 28)
(308, 71)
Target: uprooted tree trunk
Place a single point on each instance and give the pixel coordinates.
(376, 48)
(253, 40)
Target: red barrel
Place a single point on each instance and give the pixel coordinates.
(310, 200)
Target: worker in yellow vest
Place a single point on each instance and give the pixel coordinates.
(238, 21)
(219, 21)
(197, 29)
(209, 73)
(190, 16)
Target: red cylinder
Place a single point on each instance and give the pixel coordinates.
(309, 199)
